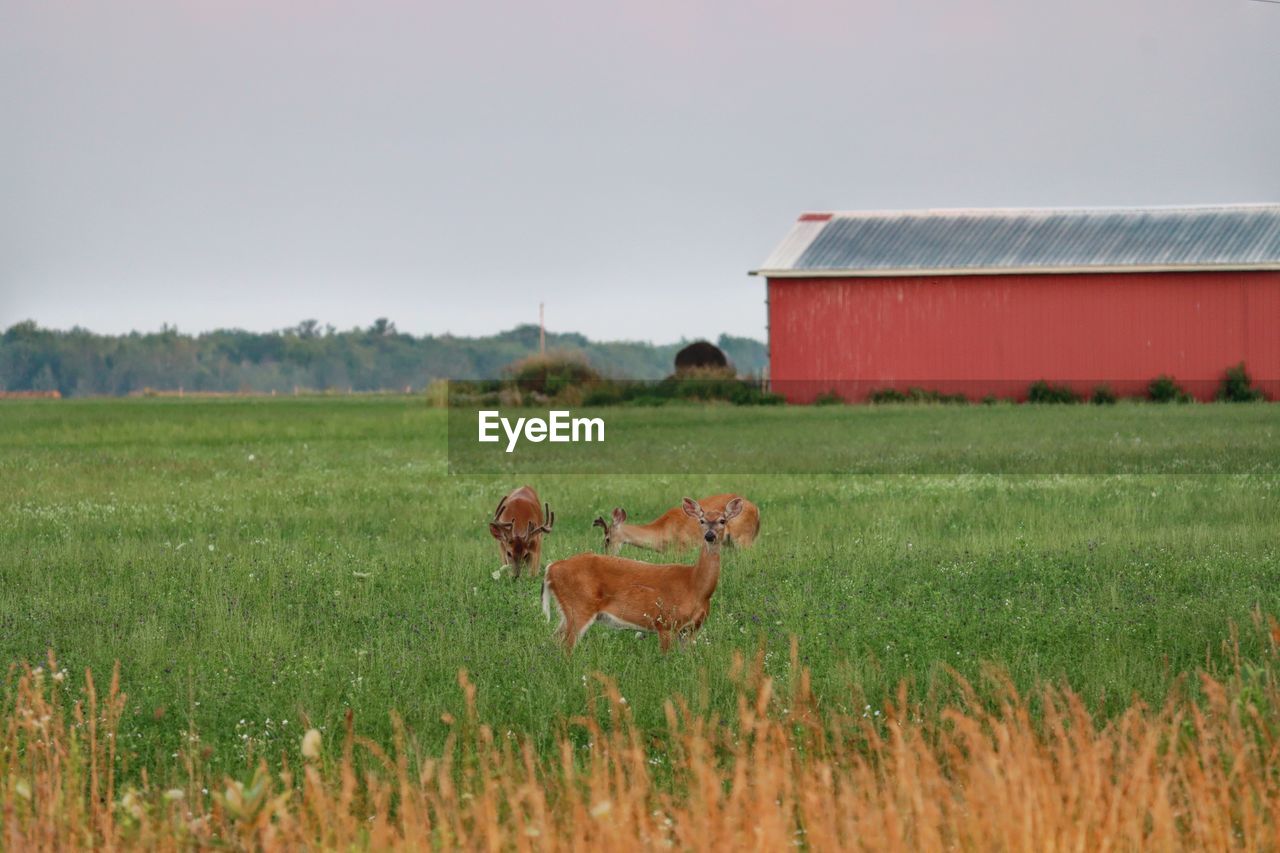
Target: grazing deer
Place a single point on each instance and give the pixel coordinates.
(621, 593)
(518, 526)
(676, 528)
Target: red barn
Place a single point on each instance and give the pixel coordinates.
(986, 302)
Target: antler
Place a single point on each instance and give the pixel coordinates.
(507, 527)
(546, 526)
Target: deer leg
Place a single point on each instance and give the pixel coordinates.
(565, 633)
(574, 627)
(664, 639)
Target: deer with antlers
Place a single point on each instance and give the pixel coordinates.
(669, 600)
(519, 524)
(675, 528)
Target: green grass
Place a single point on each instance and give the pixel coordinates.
(263, 561)
(892, 439)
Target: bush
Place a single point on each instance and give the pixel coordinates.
(914, 395)
(1103, 396)
(702, 384)
(1237, 386)
(567, 380)
(923, 395)
(603, 394)
(887, 395)
(1163, 389)
(828, 398)
(1042, 392)
(551, 373)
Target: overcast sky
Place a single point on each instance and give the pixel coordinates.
(449, 165)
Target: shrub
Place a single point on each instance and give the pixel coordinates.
(603, 394)
(887, 395)
(914, 394)
(568, 380)
(1042, 392)
(828, 398)
(930, 395)
(1237, 386)
(551, 373)
(703, 384)
(1103, 396)
(1163, 389)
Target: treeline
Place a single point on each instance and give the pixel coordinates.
(307, 356)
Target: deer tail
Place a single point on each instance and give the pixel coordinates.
(546, 595)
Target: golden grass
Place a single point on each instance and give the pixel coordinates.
(980, 773)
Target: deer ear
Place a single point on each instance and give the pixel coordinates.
(733, 509)
(691, 508)
(498, 531)
(619, 515)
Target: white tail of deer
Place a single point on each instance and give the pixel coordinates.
(674, 528)
(669, 600)
(518, 524)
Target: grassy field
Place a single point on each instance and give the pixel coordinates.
(256, 566)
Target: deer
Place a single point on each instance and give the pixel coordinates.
(518, 524)
(669, 600)
(675, 528)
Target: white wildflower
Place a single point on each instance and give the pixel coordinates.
(311, 744)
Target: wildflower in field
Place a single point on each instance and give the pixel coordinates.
(311, 744)
(132, 805)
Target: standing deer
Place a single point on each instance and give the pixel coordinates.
(676, 528)
(665, 599)
(518, 526)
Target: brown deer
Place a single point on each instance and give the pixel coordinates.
(669, 600)
(518, 525)
(675, 528)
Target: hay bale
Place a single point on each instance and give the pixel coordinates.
(700, 355)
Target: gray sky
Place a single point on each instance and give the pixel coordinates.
(448, 165)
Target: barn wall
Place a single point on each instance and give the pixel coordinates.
(982, 335)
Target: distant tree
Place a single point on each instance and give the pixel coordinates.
(79, 362)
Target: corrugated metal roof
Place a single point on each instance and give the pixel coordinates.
(960, 242)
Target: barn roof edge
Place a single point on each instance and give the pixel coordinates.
(968, 241)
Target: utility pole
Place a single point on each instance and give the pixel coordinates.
(542, 330)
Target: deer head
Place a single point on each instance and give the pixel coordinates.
(713, 524)
(612, 541)
(518, 546)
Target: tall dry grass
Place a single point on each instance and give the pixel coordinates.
(982, 772)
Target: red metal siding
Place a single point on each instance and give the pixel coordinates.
(996, 334)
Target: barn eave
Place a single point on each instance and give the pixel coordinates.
(1065, 270)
